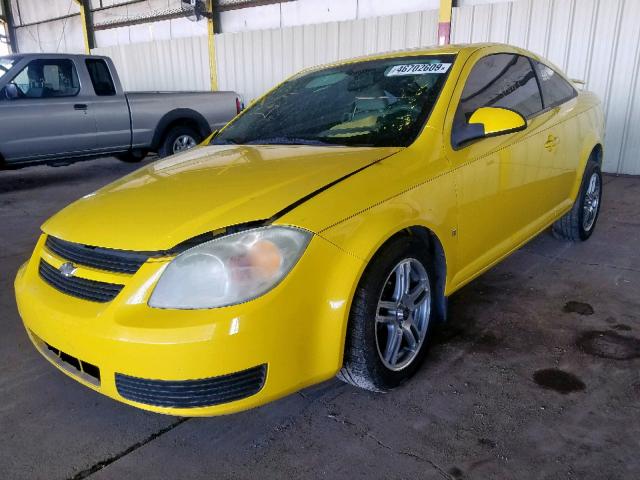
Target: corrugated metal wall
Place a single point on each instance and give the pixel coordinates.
(64, 35)
(597, 41)
(252, 62)
(177, 64)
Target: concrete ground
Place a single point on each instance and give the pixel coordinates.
(535, 376)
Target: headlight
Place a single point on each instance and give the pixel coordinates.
(230, 270)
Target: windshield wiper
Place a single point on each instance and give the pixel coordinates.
(286, 141)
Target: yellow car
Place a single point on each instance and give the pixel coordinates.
(319, 233)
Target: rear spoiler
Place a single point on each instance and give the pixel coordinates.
(579, 83)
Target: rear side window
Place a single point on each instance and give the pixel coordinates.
(47, 78)
(500, 80)
(100, 77)
(555, 89)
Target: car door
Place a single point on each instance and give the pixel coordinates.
(499, 179)
(559, 99)
(50, 116)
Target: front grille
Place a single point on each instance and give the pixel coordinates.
(85, 370)
(102, 258)
(79, 287)
(192, 393)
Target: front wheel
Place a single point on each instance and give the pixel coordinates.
(390, 318)
(179, 139)
(580, 222)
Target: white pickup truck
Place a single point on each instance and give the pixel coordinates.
(57, 109)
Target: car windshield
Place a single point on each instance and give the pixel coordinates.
(5, 64)
(372, 103)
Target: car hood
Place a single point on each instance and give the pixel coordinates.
(172, 200)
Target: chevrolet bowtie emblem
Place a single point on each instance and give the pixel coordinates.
(67, 269)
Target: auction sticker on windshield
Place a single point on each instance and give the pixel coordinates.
(418, 69)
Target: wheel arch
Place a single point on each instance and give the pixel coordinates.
(426, 235)
(598, 153)
(593, 149)
(179, 116)
(431, 242)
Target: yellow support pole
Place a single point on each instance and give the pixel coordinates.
(444, 22)
(85, 31)
(212, 47)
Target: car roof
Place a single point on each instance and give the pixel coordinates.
(453, 49)
(50, 56)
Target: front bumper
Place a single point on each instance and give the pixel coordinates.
(256, 352)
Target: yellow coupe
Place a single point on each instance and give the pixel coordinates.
(319, 233)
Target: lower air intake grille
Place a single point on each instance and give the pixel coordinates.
(85, 370)
(192, 393)
(79, 287)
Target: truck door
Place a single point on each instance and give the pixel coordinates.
(109, 107)
(50, 116)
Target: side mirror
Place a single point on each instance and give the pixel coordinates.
(489, 122)
(11, 91)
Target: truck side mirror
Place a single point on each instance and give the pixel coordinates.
(11, 91)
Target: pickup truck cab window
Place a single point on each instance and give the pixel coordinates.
(555, 89)
(6, 63)
(100, 77)
(47, 78)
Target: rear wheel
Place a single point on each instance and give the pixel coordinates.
(179, 139)
(390, 317)
(580, 222)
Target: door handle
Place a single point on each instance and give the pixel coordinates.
(80, 106)
(551, 143)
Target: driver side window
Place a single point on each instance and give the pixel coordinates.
(47, 78)
(500, 80)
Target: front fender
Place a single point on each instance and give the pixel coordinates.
(431, 205)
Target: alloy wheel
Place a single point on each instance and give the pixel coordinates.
(402, 315)
(183, 142)
(591, 202)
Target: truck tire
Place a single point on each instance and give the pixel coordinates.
(395, 299)
(178, 139)
(579, 223)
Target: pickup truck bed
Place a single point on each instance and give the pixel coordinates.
(62, 108)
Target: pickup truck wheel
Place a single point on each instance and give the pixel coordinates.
(580, 222)
(390, 317)
(179, 139)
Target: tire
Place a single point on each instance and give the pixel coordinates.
(132, 156)
(579, 223)
(367, 363)
(172, 137)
